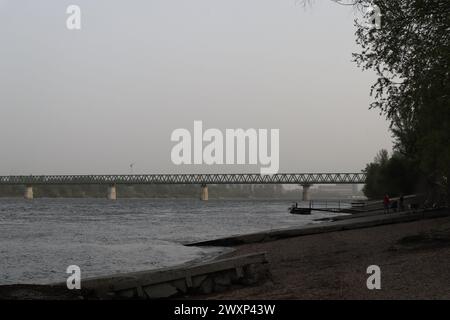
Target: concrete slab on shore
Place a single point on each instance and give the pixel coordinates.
(205, 278)
(323, 227)
(353, 216)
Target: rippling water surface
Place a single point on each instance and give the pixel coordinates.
(40, 238)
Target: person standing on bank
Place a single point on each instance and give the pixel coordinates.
(386, 202)
(402, 203)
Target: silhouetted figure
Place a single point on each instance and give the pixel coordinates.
(394, 205)
(386, 202)
(401, 203)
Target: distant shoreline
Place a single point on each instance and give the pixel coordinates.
(289, 199)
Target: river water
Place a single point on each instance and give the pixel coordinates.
(39, 239)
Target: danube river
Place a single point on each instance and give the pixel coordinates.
(39, 239)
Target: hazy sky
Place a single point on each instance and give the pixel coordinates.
(110, 94)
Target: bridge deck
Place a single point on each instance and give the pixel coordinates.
(280, 178)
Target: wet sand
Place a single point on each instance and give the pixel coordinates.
(414, 258)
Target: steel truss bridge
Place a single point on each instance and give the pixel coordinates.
(202, 179)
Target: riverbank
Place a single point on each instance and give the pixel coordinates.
(320, 261)
(414, 258)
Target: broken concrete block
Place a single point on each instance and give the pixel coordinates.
(207, 286)
(162, 290)
(223, 278)
(196, 281)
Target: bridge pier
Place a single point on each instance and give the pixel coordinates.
(112, 192)
(305, 192)
(28, 194)
(204, 193)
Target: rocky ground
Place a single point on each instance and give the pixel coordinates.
(414, 259)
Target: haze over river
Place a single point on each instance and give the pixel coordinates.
(39, 239)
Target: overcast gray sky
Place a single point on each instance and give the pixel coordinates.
(98, 99)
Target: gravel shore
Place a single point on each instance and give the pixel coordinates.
(414, 259)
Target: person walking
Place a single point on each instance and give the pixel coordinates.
(386, 203)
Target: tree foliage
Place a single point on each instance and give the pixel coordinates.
(395, 175)
(411, 56)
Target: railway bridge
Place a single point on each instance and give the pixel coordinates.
(203, 180)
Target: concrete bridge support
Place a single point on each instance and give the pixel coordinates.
(305, 193)
(204, 194)
(28, 194)
(112, 193)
